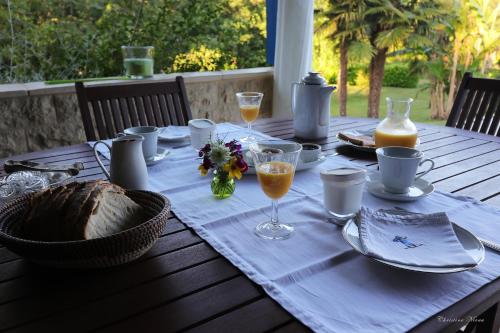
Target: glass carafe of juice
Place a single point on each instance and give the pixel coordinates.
(397, 129)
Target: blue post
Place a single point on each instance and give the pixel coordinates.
(272, 11)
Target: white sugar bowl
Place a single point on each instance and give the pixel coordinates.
(202, 131)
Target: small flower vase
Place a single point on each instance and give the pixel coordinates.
(222, 186)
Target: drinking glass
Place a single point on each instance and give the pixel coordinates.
(275, 163)
(138, 61)
(249, 103)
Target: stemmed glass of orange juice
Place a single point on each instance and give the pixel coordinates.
(275, 164)
(249, 103)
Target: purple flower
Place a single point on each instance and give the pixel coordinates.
(233, 146)
(207, 164)
(240, 162)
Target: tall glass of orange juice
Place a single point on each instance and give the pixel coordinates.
(275, 163)
(397, 129)
(249, 103)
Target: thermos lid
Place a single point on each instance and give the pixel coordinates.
(343, 174)
(314, 78)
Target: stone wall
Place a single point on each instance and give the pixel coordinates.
(36, 116)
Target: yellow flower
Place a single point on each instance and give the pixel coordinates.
(232, 169)
(203, 171)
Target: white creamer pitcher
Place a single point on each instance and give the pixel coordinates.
(128, 168)
(311, 107)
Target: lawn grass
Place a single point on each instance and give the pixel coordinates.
(357, 103)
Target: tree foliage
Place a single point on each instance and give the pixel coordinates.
(441, 38)
(393, 25)
(344, 26)
(53, 39)
(463, 43)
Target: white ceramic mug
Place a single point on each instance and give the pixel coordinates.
(398, 167)
(150, 143)
(202, 131)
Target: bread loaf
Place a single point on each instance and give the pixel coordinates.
(80, 211)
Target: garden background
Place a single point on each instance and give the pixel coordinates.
(422, 47)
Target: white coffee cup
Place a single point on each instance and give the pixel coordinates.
(202, 131)
(150, 143)
(398, 167)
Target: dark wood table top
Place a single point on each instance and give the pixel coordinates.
(182, 284)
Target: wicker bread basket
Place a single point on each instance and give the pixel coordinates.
(108, 251)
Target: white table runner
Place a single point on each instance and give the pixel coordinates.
(315, 274)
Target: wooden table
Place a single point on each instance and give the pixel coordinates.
(182, 284)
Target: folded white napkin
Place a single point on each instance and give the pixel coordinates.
(411, 239)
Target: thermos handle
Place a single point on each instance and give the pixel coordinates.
(293, 96)
(99, 160)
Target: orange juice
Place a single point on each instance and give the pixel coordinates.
(249, 112)
(384, 139)
(275, 178)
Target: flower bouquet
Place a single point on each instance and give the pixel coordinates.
(228, 163)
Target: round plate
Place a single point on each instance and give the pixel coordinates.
(300, 165)
(471, 244)
(161, 154)
(421, 188)
(174, 135)
(367, 133)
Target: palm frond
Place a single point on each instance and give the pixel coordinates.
(360, 51)
(376, 10)
(417, 40)
(394, 10)
(392, 37)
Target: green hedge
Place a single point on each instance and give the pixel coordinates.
(352, 76)
(399, 76)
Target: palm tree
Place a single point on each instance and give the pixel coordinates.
(475, 33)
(346, 17)
(393, 24)
(463, 43)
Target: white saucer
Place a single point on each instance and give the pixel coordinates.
(174, 134)
(300, 165)
(420, 189)
(471, 245)
(309, 165)
(161, 154)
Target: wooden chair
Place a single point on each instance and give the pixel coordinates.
(108, 110)
(477, 106)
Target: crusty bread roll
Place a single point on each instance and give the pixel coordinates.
(80, 211)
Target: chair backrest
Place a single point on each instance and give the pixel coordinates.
(477, 106)
(108, 110)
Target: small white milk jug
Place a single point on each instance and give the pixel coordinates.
(128, 167)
